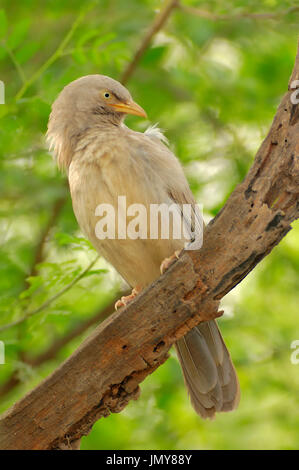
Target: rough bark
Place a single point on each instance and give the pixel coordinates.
(104, 373)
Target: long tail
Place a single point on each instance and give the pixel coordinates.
(208, 371)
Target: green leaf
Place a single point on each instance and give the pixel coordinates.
(64, 239)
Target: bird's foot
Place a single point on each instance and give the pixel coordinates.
(126, 299)
(167, 262)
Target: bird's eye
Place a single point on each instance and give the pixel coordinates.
(106, 94)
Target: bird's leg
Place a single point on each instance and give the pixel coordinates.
(167, 262)
(126, 299)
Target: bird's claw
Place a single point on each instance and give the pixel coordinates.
(126, 299)
(167, 262)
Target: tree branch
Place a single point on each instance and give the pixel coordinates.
(157, 25)
(103, 374)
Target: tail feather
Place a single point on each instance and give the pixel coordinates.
(208, 371)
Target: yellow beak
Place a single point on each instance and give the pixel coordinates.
(129, 108)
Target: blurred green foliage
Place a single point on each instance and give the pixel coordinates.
(213, 86)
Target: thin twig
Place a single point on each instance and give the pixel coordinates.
(15, 62)
(255, 16)
(48, 302)
(157, 25)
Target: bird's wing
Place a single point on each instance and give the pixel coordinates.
(163, 166)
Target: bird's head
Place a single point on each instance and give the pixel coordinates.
(93, 100)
